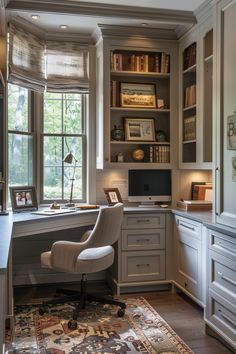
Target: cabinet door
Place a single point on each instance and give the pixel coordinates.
(188, 257)
(225, 142)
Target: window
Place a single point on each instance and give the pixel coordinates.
(63, 132)
(20, 137)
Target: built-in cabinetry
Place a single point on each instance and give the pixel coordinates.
(195, 92)
(221, 292)
(137, 86)
(142, 250)
(225, 107)
(189, 258)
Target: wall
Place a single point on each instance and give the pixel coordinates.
(181, 183)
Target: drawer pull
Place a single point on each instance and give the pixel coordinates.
(227, 318)
(226, 278)
(143, 220)
(187, 227)
(143, 265)
(143, 240)
(223, 246)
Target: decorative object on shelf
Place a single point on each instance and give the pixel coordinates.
(138, 154)
(231, 132)
(136, 95)
(189, 128)
(160, 103)
(160, 136)
(69, 159)
(120, 157)
(139, 129)
(117, 133)
(23, 198)
(113, 195)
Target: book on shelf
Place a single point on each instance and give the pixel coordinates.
(189, 56)
(194, 205)
(190, 96)
(113, 93)
(189, 128)
(162, 153)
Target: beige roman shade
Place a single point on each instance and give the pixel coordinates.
(47, 65)
(26, 60)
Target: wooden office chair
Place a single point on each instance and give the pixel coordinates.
(93, 254)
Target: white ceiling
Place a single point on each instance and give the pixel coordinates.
(85, 21)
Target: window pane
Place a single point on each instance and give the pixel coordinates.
(78, 183)
(52, 188)
(18, 108)
(52, 113)
(52, 151)
(72, 113)
(20, 159)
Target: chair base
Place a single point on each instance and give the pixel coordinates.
(81, 297)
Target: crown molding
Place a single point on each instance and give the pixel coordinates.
(103, 10)
(111, 31)
(204, 10)
(32, 28)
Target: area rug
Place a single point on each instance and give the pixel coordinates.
(99, 330)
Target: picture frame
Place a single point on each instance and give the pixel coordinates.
(113, 195)
(23, 198)
(139, 129)
(135, 95)
(231, 132)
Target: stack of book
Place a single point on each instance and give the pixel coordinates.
(194, 205)
(189, 128)
(159, 154)
(190, 96)
(190, 56)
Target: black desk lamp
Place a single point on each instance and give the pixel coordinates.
(69, 159)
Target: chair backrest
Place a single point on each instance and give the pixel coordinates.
(108, 226)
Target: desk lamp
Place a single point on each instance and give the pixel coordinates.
(69, 159)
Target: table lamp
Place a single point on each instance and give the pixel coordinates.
(69, 159)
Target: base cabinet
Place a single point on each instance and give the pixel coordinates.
(188, 257)
(141, 250)
(220, 312)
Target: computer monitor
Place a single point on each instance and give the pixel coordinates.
(149, 186)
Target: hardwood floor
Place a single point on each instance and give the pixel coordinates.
(185, 317)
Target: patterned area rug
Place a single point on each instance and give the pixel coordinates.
(99, 330)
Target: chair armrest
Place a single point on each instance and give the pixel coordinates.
(64, 255)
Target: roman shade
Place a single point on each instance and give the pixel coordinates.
(46, 65)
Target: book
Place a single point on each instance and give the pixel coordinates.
(194, 205)
(199, 191)
(189, 128)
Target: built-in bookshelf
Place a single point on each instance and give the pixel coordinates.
(189, 107)
(142, 77)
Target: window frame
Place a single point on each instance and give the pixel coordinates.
(83, 135)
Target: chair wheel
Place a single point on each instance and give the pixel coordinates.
(72, 324)
(41, 311)
(121, 312)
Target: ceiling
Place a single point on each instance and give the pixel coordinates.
(83, 17)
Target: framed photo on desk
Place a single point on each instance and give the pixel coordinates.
(23, 198)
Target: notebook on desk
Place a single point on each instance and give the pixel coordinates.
(53, 211)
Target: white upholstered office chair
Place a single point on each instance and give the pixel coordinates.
(93, 254)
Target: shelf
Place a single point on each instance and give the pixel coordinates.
(139, 165)
(140, 109)
(189, 141)
(189, 107)
(139, 142)
(140, 74)
(190, 69)
(208, 59)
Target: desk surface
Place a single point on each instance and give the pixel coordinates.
(13, 224)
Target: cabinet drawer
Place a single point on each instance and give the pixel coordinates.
(143, 239)
(223, 244)
(187, 226)
(143, 221)
(223, 315)
(223, 276)
(143, 266)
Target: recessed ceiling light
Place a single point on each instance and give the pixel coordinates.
(144, 24)
(63, 26)
(35, 17)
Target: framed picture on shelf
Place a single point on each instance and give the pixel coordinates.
(23, 198)
(135, 95)
(189, 128)
(113, 195)
(139, 129)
